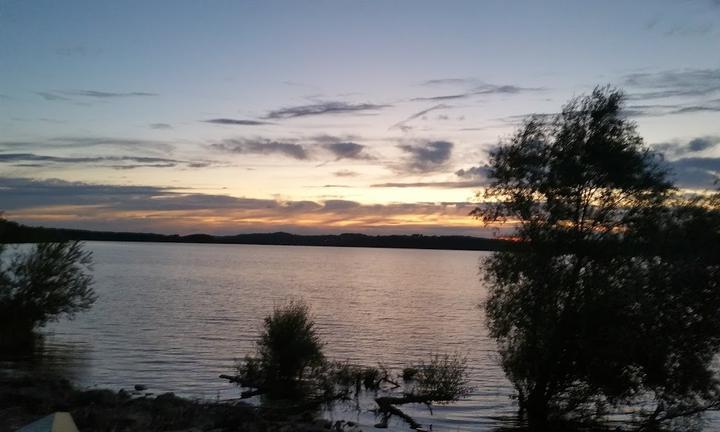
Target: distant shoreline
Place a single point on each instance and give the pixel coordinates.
(13, 232)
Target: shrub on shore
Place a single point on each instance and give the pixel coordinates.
(50, 281)
(289, 365)
(288, 349)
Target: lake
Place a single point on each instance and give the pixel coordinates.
(173, 317)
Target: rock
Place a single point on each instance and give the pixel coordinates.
(140, 387)
(96, 397)
(170, 399)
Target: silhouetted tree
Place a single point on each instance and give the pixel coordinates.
(612, 295)
(47, 282)
(289, 343)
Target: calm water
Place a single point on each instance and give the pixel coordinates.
(175, 316)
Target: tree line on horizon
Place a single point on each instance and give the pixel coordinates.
(13, 232)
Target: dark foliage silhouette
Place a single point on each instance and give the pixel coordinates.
(288, 349)
(45, 283)
(612, 296)
(290, 369)
(289, 343)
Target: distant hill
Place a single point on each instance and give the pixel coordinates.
(13, 232)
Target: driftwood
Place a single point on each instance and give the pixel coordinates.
(441, 381)
(385, 377)
(387, 406)
(247, 393)
(231, 378)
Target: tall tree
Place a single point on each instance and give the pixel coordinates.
(592, 309)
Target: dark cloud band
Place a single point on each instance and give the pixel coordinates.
(322, 109)
(236, 122)
(426, 157)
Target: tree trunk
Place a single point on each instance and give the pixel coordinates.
(537, 409)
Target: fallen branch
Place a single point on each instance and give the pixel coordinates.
(231, 378)
(250, 393)
(387, 406)
(442, 380)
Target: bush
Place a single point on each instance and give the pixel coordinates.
(289, 366)
(48, 282)
(288, 346)
(442, 380)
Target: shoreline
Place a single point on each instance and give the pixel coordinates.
(25, 398)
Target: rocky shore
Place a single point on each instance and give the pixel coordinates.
(24, 399)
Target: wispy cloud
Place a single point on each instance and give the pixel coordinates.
(312, 148)
(483, 89)
(696, 109)
(688, 27)
(693, 29)
(236, 122)
(48, 96)
(681, 148)
(24, 157)
(672, 83)
(403, 123)
(160, 126)
(472, 177)
(695, 172)
(106, 94)
(348, 150)
(63, 95)
(449, 81)
(322, 109)
(426, 157)
(70, 142)
(445, 97)
(346, 173)
(117, 162)
(262, 146)
(659, 110)
(437, 184)
(479, 172)
(77, 51)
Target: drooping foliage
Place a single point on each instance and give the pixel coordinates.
(612, 296)
(45, 283)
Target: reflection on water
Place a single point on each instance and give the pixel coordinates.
(49, 357)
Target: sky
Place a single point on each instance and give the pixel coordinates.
(323, 116)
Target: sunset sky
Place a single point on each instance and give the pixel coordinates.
(322, 116)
